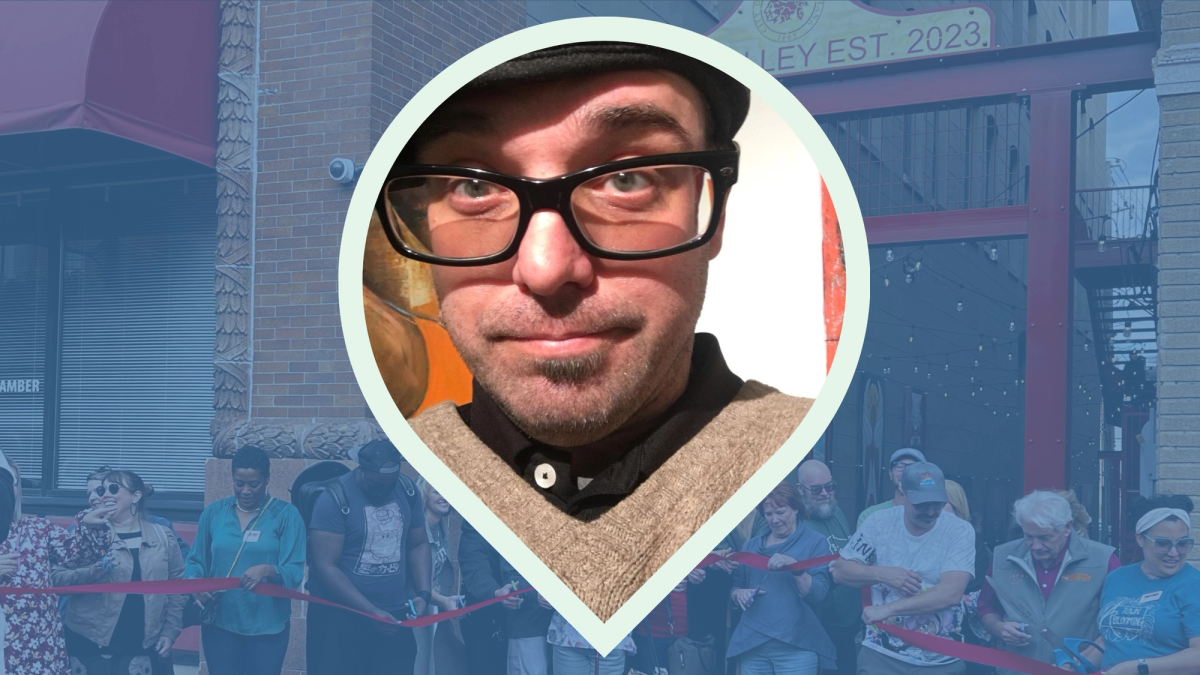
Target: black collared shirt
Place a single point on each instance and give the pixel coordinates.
(710, 387)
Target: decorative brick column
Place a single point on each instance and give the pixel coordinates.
(1177, 81)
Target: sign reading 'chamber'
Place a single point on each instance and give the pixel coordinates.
(787, 37)
(20, 386)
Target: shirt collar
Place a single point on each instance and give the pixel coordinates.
(710, 387)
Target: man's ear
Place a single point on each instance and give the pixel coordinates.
(714, 244)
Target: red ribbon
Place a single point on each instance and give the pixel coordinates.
(959, 650)
(759, 562)
(191, 586)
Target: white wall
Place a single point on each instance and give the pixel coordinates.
(765, 298)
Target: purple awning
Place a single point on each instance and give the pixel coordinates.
(143, 71)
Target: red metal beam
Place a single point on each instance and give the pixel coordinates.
(992, 223)
(1051, 289)
(1100, 64)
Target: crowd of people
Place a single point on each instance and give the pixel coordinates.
(377, 541)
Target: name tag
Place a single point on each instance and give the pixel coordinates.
(1150, 597)
(251, 536)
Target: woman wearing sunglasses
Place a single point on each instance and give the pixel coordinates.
(1150, 611)
(128, 633)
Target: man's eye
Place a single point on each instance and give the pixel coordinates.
(627, 181)
(471, 189)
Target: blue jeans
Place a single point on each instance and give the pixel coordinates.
(573, 661)
(779, 658)
(230, 653)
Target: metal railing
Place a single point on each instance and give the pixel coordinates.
(1116, 213)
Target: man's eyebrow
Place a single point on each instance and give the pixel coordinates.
(461, 121)
(619, 118)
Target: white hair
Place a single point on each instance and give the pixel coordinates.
(1043, 509)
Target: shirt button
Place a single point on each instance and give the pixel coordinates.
(544, 476)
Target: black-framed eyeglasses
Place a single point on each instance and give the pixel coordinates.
(1163, 544)
(631, 209)
(111, 488)
(816, 490)
(902, 465)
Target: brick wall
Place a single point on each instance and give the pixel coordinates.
(332, 77)
(1177, 80)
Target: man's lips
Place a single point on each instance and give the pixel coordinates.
(562, 343)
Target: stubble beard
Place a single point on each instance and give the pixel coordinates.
(572, 401)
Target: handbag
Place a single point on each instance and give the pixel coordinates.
(196, 615)
(692, 657)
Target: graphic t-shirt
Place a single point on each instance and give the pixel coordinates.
(1144, 618)
(375, 541)
(948, 547)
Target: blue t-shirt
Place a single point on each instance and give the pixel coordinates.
(375, 541)
(1144, 618)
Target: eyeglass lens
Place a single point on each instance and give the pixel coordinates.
(1162, 545)
(901, 466)
(633, 211)
(818, 489)
(111, 488)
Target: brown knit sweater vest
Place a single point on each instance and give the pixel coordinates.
(606, 560)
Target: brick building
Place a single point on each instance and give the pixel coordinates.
(95, 208)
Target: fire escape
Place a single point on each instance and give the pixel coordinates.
(1116, 251)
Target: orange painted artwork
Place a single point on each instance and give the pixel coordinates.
(420, 366)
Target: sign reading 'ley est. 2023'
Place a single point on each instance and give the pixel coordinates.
(787, 37)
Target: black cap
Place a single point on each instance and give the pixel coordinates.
(377, 456)
(728, 100)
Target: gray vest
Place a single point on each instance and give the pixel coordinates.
(1074, 601)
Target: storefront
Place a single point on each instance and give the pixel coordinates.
(107, 234)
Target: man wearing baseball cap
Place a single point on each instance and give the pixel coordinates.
(363, 556)
(570, 202)
(917, 565)
(900, 460)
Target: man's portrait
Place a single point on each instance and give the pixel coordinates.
(567, 206)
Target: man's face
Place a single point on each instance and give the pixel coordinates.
(816, 489)
(898, 468)
(1045, 545)
(377, 486)
(922, 517)
(573, 347)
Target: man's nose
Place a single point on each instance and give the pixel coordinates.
(550, 258)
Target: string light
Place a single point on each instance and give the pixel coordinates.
(886, 282)
(889, 256)
(1102, 243)
(1128, 328)
(1012, 326)
(959, 306)
(993, 253)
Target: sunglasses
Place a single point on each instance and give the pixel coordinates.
(111, 488)
(930, 507)
(1184, 544)
(818, 489)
